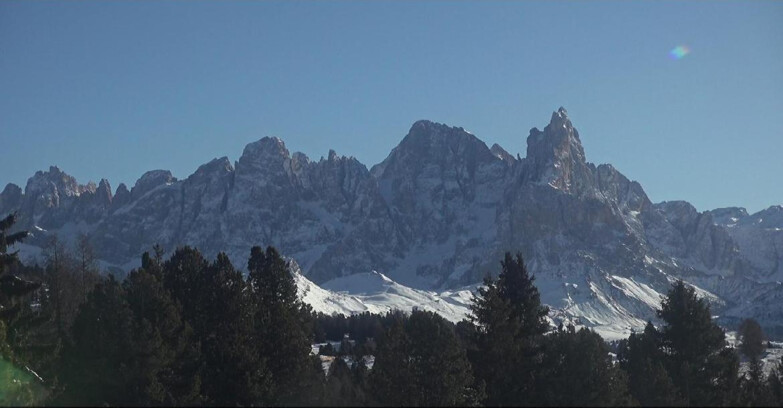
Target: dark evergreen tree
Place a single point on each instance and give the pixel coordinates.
(184, 277)
(62, 298)
(751, 339)
(510, 322)
(723, 368)
(420, 362)
(704, 372)
(87, 265)
(578, 371)
(131, 346)
(775, 384)
(217, 301)
(13, 289)
(281, 323)
(95, 367)
(327, 350)
(312, 384)
(235, 371)
(390, 380)
(755, 390)
(31, 335)
(164, 355)
(643, 360)
(361, 379)
(15, 293)
(343, 386)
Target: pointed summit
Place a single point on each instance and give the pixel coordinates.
(265, 156)
(265, 148)
(555, 156)
(561, 115)
(502, 154)
(10, 198)
(150, 180)
(432, 143)
(103, 192)
(54, 181)
(217, 166)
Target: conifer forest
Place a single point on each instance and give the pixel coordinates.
(184, 330)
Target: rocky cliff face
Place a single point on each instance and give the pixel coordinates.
(437, 213)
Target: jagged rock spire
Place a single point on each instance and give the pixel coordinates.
(555, 155)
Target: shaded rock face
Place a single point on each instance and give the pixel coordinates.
(442, 186)
(555, 157)
(437, 213)
(759, 239)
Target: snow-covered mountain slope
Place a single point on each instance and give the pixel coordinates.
(373, 292)
(437, 214)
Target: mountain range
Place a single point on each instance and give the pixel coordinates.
(434, 217)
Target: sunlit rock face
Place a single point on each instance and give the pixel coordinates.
(437, 214)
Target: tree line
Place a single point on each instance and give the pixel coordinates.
(186, 330)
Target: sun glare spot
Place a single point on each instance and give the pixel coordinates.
(679, 52)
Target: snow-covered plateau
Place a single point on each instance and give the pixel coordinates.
(423, 227)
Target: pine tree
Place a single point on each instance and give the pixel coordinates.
(164, 356)
(62, 284)
(643, 360)
(510, 322)
(312, 385)
(752, 339)
(390, 377)
(95, 367)
(183, 277)
(31, 335)
(235, 371)
(421, 363)
(342, 386)
(14, 301)
(219, 304)
(578, 371)
(775, 383)
(281, 323)
(755, 391)
(87, 266)
(702, 369)
(12, 288)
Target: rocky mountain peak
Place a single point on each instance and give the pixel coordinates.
(425, 131)
(121, 189)
(502, 154)
(103, 192)
(729, 215)
(47, 189)
(121, 197)
(555, 155)
(150, 180)
(10, 198)
(51, 182)
(265, 148)
(219, 167)
(430, 143)
(268, 157)
(771, 217)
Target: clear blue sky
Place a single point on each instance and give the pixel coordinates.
(114, 89)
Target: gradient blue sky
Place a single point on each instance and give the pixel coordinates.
(115, 89)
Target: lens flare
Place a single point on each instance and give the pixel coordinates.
(679, 52)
